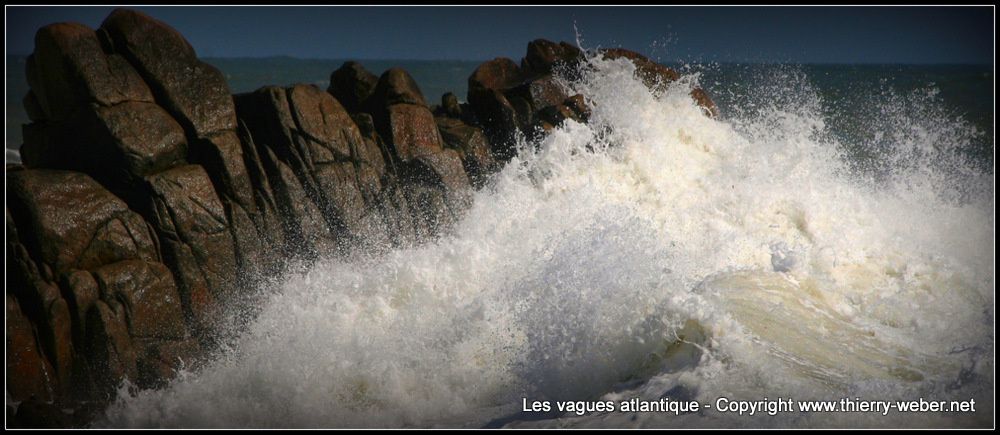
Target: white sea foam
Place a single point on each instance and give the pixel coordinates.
(589, 250)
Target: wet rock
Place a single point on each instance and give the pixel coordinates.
(499, 120)
(137, 137)
(149, 296)
(194, 92)
(450, 106)
(70, 222)
(314, 138)
(411, 132)
(470, 143)
(54, 325)
(197, 96)
(195, 238)
(543, 56)
(499, 73)
(108, 347)
(437, 190)
(81, 292)
(29, 373)
(69, 69)
(160, 361)
(555, 115)
(443, 169)
(657, 76)
(578, 105)
(41, 414)
(373, 151)
(323, 127)
(351, 85)
(396, 86)
(652, 74)
(507, 99)
(33, 107)
(701, 97)
(96, 112)
(541, 92)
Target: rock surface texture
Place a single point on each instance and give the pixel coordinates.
(151, 200)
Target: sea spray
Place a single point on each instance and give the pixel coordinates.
(591, 248)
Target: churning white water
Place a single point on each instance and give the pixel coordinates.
(575, 268)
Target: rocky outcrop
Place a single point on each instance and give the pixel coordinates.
(351, 85)
(152, 201)
(512, 100)
(88, 295)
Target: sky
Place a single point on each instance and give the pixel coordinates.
(668, 34)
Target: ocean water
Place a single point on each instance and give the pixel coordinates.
(832, 235)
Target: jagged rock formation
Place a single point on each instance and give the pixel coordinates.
(151, 199)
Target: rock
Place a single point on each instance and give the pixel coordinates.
(578, 105)
(499, 120)
(141, 136)
(149, 296)
(52, 318)
(499, 73)
(322, 125)
(81, 292)
(372, 152)
(470, 143)
(396, 86)
(443, 169)
(370, 158)
(40, 414)
(351, 85)
(137, 137)
(656, 77)
(97, 112)
(70, 222)
(506, 99)
(450, 106)
(531, 97)
(108, 347)
(29, 373)
(411, 132)
(109, 277)
(195, 93)
(271, 129)
(69, 70)
(366, 125)
(652, 74)
(195, 238)
(161, 361)
(33, 107)
(701, 97)
(543, 56)
(438, 189)
(198, 97)
(555, 115)
(314, 137)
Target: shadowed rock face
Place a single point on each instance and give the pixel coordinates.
(152, 202)
(352, 84)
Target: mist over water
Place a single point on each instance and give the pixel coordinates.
(821, 266)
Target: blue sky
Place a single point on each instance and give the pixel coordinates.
(703, 34)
